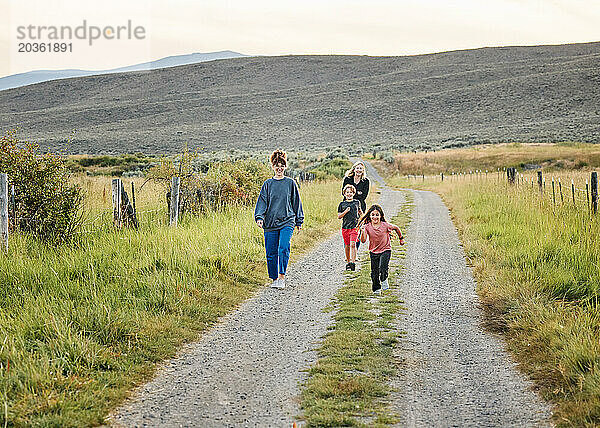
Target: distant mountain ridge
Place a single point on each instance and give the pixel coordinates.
(38, 76)
(311, 102)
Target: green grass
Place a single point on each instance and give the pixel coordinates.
(537, 270)
(348, 385)
(82, 325)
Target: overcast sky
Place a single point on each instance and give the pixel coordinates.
(265, 27)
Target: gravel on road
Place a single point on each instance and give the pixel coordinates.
(246, 371)
(453, 373)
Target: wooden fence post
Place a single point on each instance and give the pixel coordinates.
(540, 182)
(135, 219)
(13, 206)
(573, 191)
(511, 175)
(594, 192)
(4, 211)
(117, 187)
(553, 194)
(174, 201)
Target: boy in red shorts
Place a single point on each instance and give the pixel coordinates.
(349, 210)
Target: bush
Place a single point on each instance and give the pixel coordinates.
(332, 167)
(47, 205)
(337, 153)
(217, 185)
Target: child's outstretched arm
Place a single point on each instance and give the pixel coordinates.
(362, 234)
(343, 213)
(398, 232)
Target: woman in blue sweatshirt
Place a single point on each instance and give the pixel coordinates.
(278, 210)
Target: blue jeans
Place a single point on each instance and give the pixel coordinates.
(277, 245)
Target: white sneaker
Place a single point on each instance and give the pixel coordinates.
(378, 291)
(385, 285)
(279, 283)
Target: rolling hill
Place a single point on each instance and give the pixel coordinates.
(541, 93)
(37, 76)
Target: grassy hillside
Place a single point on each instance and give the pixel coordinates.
(81, 325)
(536, 265)
(544, 93)
(524, 157)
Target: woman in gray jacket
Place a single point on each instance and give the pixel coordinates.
(278, 210)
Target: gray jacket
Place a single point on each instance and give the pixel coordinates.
(279, 204)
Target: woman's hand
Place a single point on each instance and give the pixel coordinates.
(259, 223)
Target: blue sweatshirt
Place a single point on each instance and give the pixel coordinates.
(279, 205)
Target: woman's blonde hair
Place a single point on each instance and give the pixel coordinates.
(350, 172)
(279, 156)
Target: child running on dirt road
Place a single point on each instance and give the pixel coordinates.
(379, 231)
(349, 210)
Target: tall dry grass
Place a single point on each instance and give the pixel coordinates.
(548, 156)
(536, 262)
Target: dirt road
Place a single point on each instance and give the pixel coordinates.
(246, 371)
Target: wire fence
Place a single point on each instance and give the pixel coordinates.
(124, 212)
(577, 189)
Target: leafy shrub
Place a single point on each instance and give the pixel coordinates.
(331, 167)
(114, 166)
(337, 153)
(47, 205)
(387, 156)
(217, 184)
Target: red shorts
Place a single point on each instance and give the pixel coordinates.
(349, 235)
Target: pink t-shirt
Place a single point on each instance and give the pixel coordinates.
(379, 238)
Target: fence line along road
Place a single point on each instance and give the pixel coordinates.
(519, 180)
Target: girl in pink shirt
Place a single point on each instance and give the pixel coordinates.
(379, 231)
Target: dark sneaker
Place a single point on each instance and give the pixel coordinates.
(352, 266)
(348, 266)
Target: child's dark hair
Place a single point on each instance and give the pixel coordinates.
(348, 186)
(279, 157)
(367, 217)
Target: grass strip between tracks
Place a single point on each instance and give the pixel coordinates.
(348, 385)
